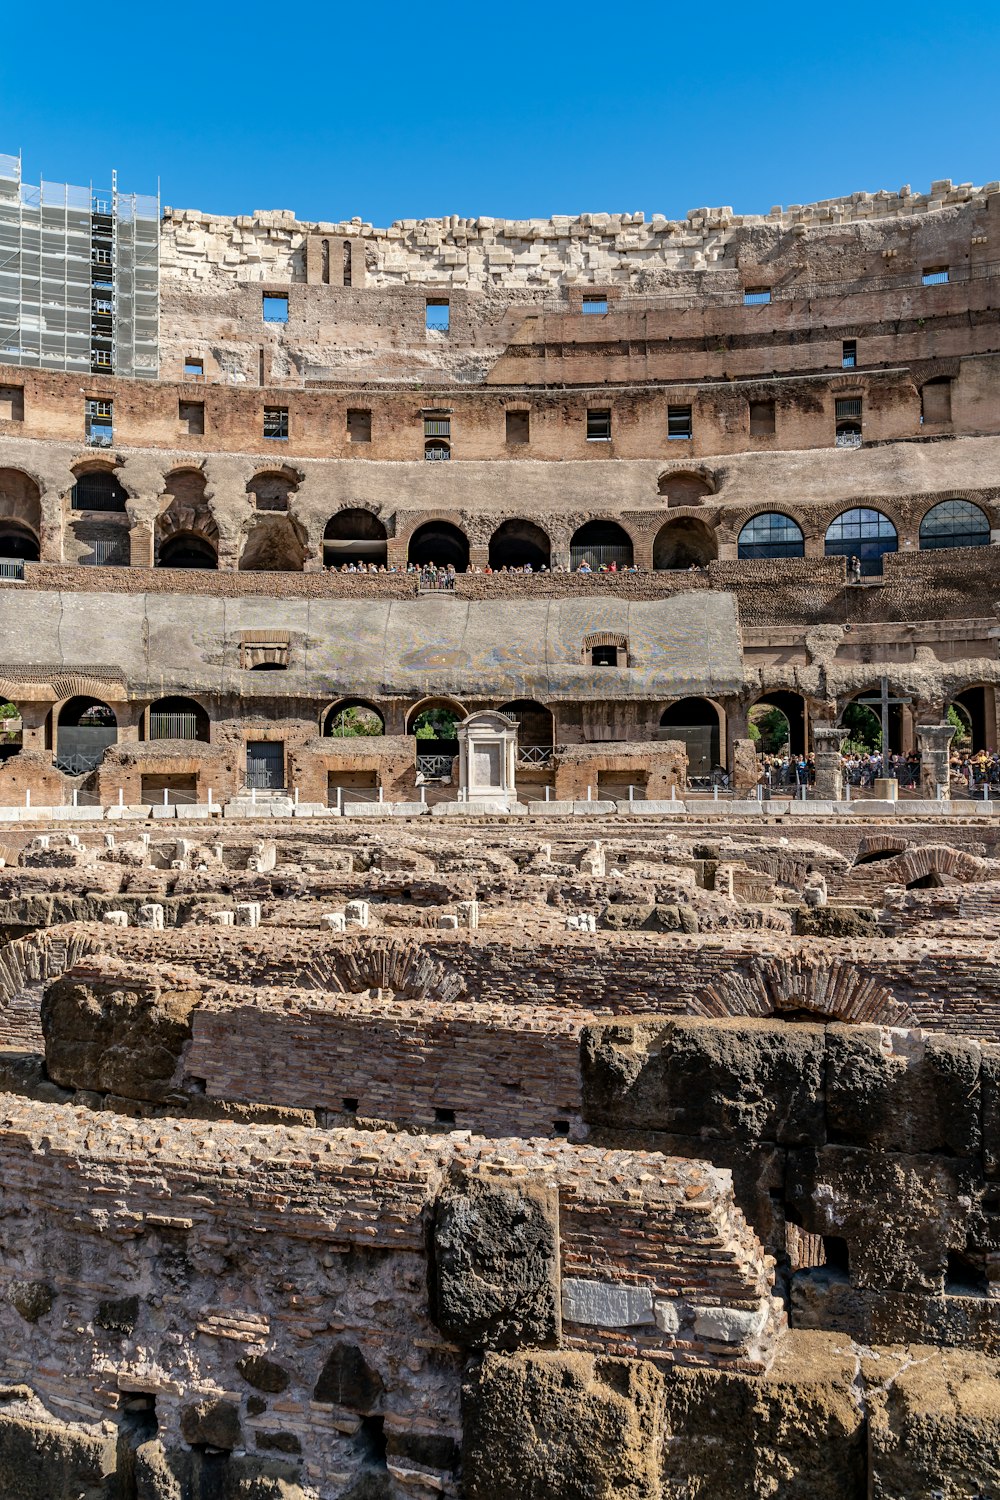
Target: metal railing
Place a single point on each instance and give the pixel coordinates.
(534, 755)
(11, 567)
(431, 585)
(173, 726)
(435, 767)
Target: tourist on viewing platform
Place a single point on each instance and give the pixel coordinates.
(854, 570)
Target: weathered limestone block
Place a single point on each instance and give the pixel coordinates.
(836, 921)
(934, 1422)
(748, 1079)
(213, 1421)
(824, 1298)
(448, 922)
(222, 918)
(902, 1091)
(357, 913)
(797, 1432)
(562, 1427)
(496, 1261)
(248, 913)
(112, 1036)
(46, 1460)
(627, 916)
(333, 921)
(150, 915)
(468, 914)
(899, 1215)
(115, 918)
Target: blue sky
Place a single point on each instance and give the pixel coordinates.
(391, 111)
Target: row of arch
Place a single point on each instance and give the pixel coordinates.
(186, 534)
(84, 726)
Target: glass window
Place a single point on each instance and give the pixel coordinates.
(275, 308)
(754, 296)
(954, 523)
(276, 422)
(599, 426)
(595, 304)
(864, 534)
(678, 422)
(770, 535)
(936, 276)
(438, 315)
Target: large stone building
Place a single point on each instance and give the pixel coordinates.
(733, 406)
(374, 1124)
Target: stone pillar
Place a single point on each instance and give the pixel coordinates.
(745, 766)
(828, 741)
(479, 555)
(141, 545)
(934, 744)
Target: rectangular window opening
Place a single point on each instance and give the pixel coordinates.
(848, 406)
(604, 656)
(359, 426)
(935, 401)
(444, 1116)
(437, 427)
(935, 276)
(594, 305)
(679, 422)
(756, 296)
(192, 417)
(275, 308)
(437, 315)
(276, 422)
(99, 422)
(518, 427)
(599, 425)
(11, 403)
(194, 369)
(849, 354)
(761, 418)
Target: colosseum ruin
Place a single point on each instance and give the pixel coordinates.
(499, 921)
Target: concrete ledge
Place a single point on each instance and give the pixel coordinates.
(248, 810)
(477, 808)
(637, 809)
(386, 810)
(200, 810)
(167, 810)
(128, 812)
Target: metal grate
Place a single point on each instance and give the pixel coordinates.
(173, 726)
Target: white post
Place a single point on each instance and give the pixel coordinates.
(715, 791)
(253, 796)
(210, 796)
(673, 791)
(630, 791)
(381, 794)
(164, 796)
(590, 791)
(27, 797)
(760, 794)
(121, 796)
(847, 790)
(423, 795)
(76, 796)
(295, 795)
(986, 791)
(340, 799)
(803, 789)
(547, 789)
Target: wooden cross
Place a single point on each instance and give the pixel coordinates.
(883, 702)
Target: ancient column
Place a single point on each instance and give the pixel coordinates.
(934, 744)
(828, 740)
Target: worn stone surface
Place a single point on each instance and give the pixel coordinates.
(908, 1094)
(124, 1039)
(562, 1427)
(496, 1262)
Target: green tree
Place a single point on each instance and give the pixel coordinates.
(865, 730)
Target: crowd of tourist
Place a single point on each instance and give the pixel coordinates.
(976, 771)
(440, 576)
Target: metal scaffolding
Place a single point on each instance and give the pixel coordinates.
(79, 277)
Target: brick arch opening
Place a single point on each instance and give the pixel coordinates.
(517, 544)
(836, 990)
(441, 544)
(354, 968)
(685, 542)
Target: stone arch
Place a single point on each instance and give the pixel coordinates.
(272, 489)
(99, 488)
(684, 542)
(26, 966)
(354, 535)
(953, 523)
(450, 705)
(599, 543)
(700, 723)
(834, 990)
(20, 515)
(354, 968)
(878, 846)
(186, 534)
(793, 706)
(275, 545)
(516, 543)
(917, 863)
(329, 724)
(439, 542)
(536, 725)
(685, 487)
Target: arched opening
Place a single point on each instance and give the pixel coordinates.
(187, 550)
(17, 542)
(352, 537)
(98, 489)
(535, 727)
(270, 491)
(11, 729)
(780, 721)
(862, 533)
(972, 713)
(178, 719)
(20, 517)
(848, 435)
(686, 542)
(954, 523)
(86, 727)
(600, 544)
(353, 718)
(683, 489)
(520, 544)
(437, 450)
(698, 723)
(439, 544)
(865, 724)
(273, 546)
(434, 724)
(770, 534)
